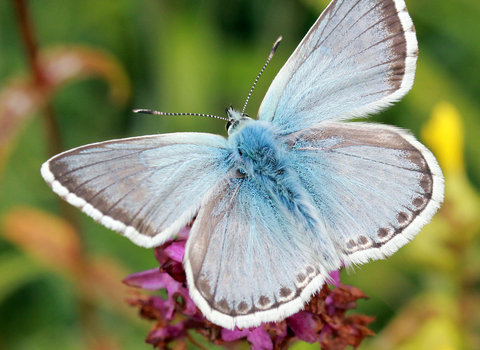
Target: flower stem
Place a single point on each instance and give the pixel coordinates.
(194, 342)
(55, 146)
(54, 138)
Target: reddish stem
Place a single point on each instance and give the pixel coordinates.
(53, 135)
(54, 140)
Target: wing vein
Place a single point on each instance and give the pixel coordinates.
(224, 240)
(375, 161)
(96, 163)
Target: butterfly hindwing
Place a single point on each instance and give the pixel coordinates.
(146, 188)
(247, 260)
(358, 57)
(374, 186)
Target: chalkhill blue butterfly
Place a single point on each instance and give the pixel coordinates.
(286, 198)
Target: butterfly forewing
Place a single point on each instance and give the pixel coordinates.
(356, 59)
(146, 188)
(374, 186)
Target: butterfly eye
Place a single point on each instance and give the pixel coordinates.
(228, 125)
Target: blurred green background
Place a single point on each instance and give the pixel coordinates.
(60, 281)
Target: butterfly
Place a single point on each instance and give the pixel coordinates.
(288, 197)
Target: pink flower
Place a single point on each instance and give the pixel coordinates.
(323, 319)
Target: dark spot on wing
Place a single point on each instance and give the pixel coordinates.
(285, 292)
(263, 300)
(222, 305)
(402, 217)
(301, 277)
(383, 232)
(242, 307)
(420, 203)
(351, 244)
(362, 240)
(427, 183)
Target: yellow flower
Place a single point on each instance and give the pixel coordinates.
(444, 135)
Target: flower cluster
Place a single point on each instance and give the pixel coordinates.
(323, 320)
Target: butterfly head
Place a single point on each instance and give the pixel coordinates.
(236, 120)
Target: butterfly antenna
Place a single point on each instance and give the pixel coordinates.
(149, 111)
(274, 48)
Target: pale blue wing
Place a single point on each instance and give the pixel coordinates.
(146, 188)
(248, 260)
(374, 186)
(358, 57)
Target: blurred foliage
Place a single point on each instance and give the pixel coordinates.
(60, 284)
